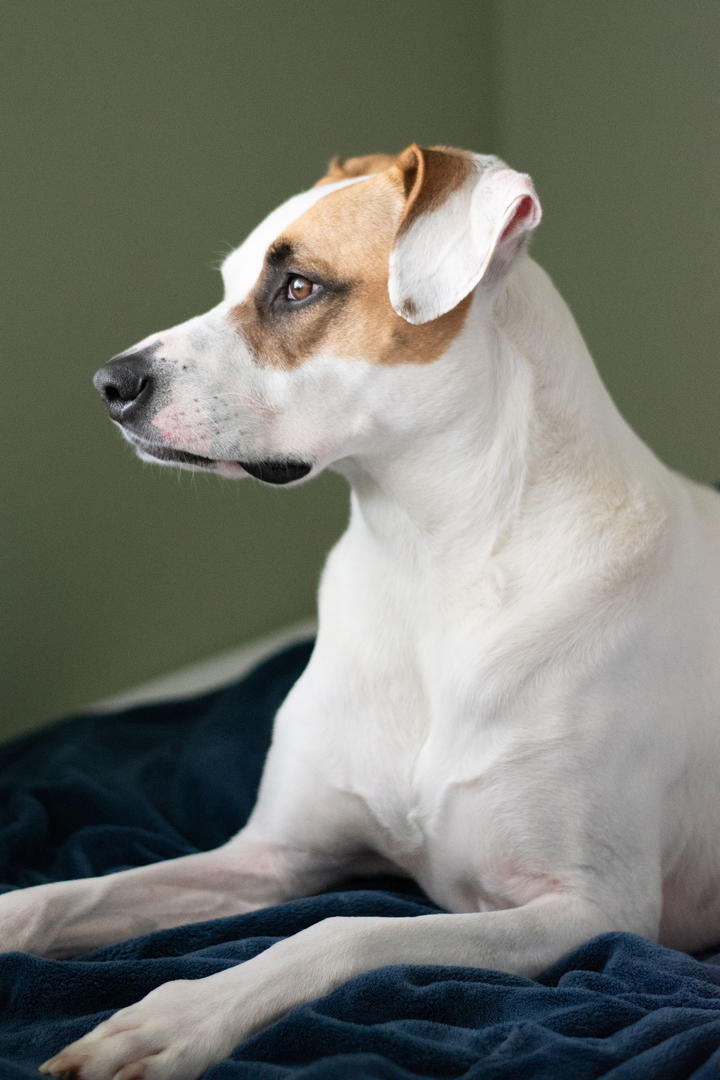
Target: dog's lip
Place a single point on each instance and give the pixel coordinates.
(282, 471)
(182, 457)
(271, 471)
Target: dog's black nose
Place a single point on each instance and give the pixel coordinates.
(125, 384)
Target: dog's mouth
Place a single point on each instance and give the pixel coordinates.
(269, 470)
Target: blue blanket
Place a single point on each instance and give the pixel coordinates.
(95, 794)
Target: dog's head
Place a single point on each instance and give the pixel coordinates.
(329, 305)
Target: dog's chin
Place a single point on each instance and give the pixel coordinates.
(269, 470)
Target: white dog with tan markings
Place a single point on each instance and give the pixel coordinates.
(515, 693)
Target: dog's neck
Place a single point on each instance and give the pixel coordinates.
(514, 417)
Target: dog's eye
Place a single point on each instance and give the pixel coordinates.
(300, 288)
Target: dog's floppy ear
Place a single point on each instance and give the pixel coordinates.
(465, 217)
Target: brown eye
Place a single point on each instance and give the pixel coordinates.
(299, 288)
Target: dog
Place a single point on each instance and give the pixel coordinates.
(514, 696)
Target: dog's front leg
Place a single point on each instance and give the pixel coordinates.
(182, 1028)
(65, 918)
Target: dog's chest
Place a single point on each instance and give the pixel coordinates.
(444, 817)
(422, 782)
(403, 729)
(382, 765)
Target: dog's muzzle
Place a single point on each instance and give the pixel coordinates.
(126, 385)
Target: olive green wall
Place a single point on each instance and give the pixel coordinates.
(614, 108)
(145, 139)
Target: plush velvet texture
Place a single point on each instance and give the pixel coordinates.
(100, 793)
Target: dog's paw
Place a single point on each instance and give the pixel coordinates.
(174, 1033)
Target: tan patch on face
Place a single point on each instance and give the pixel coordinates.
(345, 241)
(346, 169)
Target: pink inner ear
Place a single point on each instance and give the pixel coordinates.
(525, 209)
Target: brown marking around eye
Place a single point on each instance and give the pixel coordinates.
(345, 238)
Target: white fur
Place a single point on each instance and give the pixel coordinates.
(514, 697)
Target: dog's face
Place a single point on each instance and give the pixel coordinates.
(333, 308)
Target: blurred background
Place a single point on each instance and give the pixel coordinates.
(144, 140)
